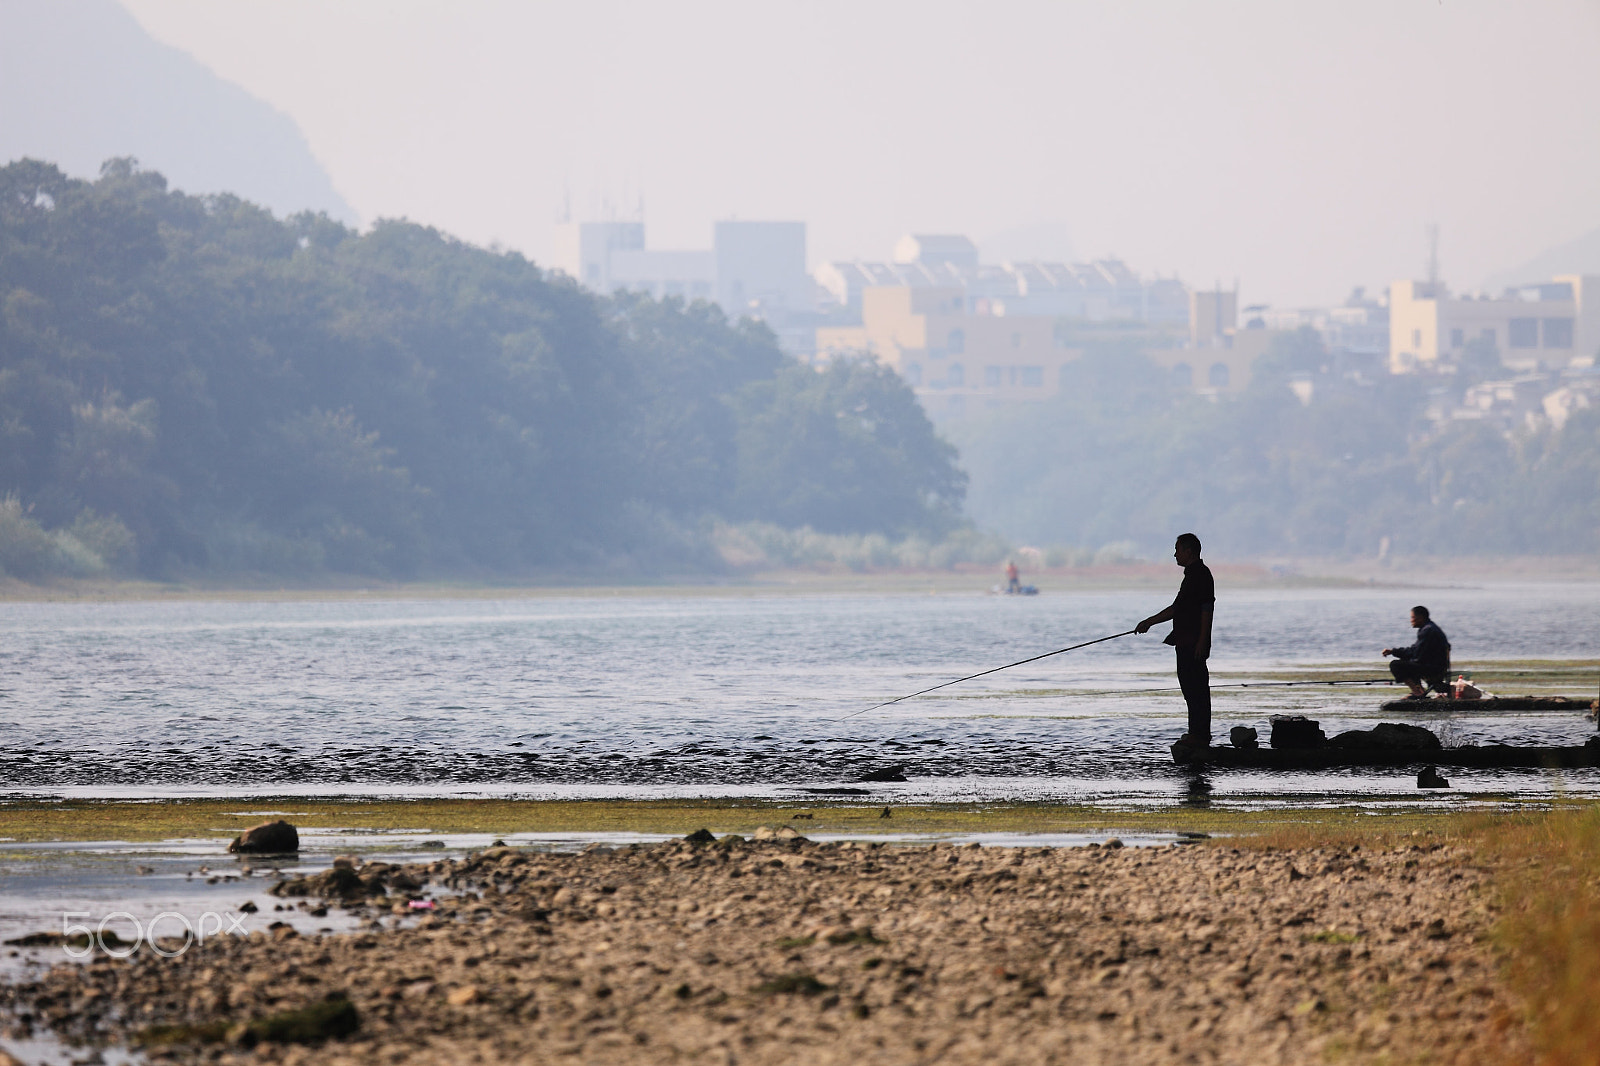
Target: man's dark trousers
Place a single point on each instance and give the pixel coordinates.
(1195, 679)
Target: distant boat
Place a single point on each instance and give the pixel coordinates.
(1025, 590)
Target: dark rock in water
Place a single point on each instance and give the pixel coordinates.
(1393, 735)
(1186, 754)
(1297, 732)
(1242, 736)
(1429, 778)
(267, 838)
(701, 836)
(1476, 756)
(339, 881)
(886, 773)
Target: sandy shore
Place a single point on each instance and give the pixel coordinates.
(962, 580)
(786, 951)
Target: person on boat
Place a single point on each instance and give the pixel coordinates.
(1190, 615)
(1427, 661)
(1013, 582)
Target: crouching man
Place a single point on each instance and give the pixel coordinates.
(1426, 662)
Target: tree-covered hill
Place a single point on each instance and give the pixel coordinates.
(188, 383)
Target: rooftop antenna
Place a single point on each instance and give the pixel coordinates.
(1432, 230)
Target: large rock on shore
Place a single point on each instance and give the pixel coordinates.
(1388, 735)
(267, 838)
(1295, 732)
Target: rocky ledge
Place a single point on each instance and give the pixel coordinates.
(785, 951)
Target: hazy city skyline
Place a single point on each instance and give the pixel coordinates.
(1300, 149)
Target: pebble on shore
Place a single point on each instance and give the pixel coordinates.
(781, 950)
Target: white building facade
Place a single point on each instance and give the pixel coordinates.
(752, 270)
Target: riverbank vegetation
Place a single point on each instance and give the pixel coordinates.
(189, 385)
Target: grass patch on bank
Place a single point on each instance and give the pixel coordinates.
(1548, 873)
(140, 821)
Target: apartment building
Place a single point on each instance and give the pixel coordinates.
(1547, 326)
(752, 270)
(959, 362)
(968, 336)
(1104, 290)
(953, 359)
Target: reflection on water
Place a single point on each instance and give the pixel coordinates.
(1197, 792)
(724, 696)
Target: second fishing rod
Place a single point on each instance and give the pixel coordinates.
(1102, 640)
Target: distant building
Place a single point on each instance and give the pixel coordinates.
(1355, 335)
(584, 249)
(844, 281)
(1102, 291)
(1219, 354)
(1568, 400)
(753, 270)
(956, 361)
(1510, 403)
(959, 360)
(1547, 326)
(967, 335)
(760, 268)
(1213, 315)
(1360, 327)
(658, 274)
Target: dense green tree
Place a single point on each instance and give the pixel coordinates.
(845, 450)
(190, 382)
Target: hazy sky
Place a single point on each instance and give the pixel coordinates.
(1301, 147)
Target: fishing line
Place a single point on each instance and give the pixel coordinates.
(982, 673)
(1240, 684)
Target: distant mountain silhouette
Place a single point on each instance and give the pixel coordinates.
(1581, 256)
(82, 82)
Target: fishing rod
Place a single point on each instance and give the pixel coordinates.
(1290, 684)
(981, 673)
(1242, 684)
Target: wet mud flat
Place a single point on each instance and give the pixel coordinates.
(781, 950)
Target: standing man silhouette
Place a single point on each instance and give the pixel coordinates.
(1190, 615)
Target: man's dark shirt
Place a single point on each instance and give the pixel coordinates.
(1431, 652)
(1197, 594)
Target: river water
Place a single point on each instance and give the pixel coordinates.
(727, 695)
